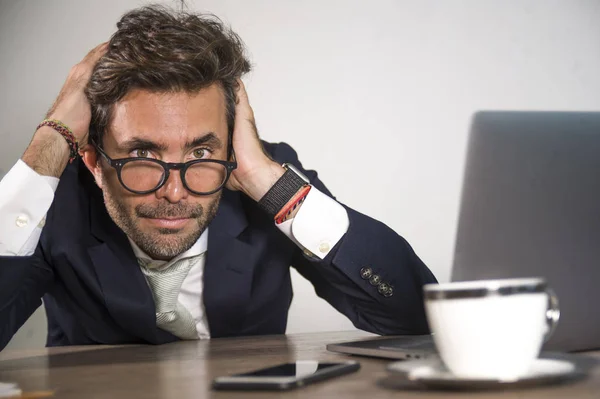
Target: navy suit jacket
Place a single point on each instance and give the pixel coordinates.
(95, 293)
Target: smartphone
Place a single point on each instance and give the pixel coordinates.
(286, 376)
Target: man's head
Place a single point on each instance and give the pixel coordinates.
(164, 90)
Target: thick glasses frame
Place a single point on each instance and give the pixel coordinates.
(118, 165)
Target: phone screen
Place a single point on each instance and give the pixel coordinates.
(297, 369)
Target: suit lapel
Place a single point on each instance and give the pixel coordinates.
(126, 293)
(230, 263)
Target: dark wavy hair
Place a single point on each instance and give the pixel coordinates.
(162, 50)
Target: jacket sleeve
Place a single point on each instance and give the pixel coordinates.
(372, 275)
(23, 282)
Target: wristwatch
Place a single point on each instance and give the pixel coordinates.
(283, 190)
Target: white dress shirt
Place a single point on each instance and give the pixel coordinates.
(25, 198)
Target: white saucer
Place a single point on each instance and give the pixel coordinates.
(432, 373)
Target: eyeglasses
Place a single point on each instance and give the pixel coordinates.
(146, 175)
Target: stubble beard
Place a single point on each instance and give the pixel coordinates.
(162, 243)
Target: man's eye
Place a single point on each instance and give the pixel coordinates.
(141, 153)
(200, 153)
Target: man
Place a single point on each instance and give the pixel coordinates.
(176, 222)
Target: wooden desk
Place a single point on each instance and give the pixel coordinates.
(186, 369)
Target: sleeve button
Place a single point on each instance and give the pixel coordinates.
(389, 292)
(383, 287)
(375, 279)
(366, 273)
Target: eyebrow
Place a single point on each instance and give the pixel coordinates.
(137, 143)
(208, 138)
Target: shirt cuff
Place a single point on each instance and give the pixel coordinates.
(318, 226)
(25, 198)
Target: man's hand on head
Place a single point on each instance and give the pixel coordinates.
(256, 172)
(72, 107)
(48, 152)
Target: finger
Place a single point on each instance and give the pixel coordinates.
(102, 47)
(243, 110)
(83, 70)
(96, 53)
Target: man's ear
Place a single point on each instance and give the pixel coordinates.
(92, 162)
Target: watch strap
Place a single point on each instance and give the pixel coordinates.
(281, 193)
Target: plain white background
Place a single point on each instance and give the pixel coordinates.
(377, 96)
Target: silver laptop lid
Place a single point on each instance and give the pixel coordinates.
(531, 207)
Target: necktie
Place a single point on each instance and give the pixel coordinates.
(165, 285)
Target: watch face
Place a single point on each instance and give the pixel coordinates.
(296, 171)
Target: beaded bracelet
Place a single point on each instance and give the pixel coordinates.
(66, 133)
(293, 204)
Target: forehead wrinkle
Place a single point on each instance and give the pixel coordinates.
(170, 119)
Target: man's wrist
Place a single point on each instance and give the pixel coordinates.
(280, 196)
(48, 152)
(262, 181)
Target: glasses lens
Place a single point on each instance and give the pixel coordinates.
(142, 175)
(205, 177)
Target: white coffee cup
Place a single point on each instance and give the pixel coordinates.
(491, 329)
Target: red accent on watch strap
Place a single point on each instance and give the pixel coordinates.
(292, 204)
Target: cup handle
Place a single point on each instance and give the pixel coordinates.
(552, 314)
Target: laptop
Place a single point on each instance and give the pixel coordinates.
(530, 207)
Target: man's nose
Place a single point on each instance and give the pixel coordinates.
(173, 190)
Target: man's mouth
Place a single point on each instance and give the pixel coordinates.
(169, 222)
